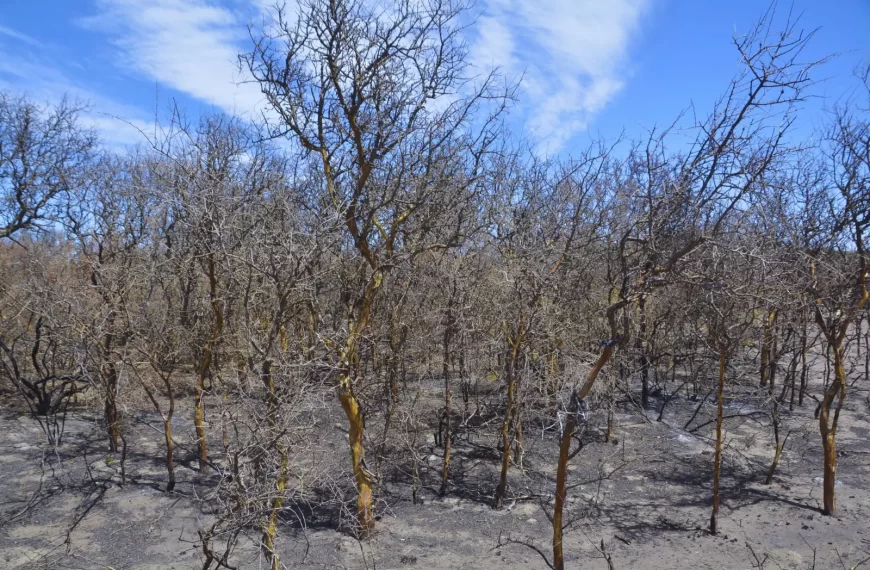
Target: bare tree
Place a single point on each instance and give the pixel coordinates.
(378, 98)
(43, 154)
(697, 194)
(840, 273)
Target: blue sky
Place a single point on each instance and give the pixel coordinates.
(588, 66)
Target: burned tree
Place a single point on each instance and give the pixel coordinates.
(839, 273)
(44, 153)
(363, 92)
(693, 196)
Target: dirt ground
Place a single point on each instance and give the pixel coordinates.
(643, 499)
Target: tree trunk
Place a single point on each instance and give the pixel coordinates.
(519, 450)
(804, 370)
(205, 364)
(271, 528)
(463, 379)
(445, 468)
(277, 502)
(506, 443)
(113, 417)
(644, 360)
(828, 427)
(565, 454)
(353, 412)
(361, 474)
(773, 358)
(109, 374)
(766, 345)
(167, 423)
(866, 352)
(777, 450)
(170, 462)
(776, 454)
(792, 380)
(199, 417)
(445, 370)
(515, 345)
(717, 458)
(561, 489)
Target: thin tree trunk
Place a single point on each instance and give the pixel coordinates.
(561, 489)
(717, 458)
(792, 380)
(167, 423)
(271, 527)
(827, 366)
(113, 417)
(170, 462)
(519, 451)
(199, 421)
(766, 345)
(777, 449)
(506, 443)
(205, 364)
(777, 453)
(463, 378)
(415, 477)
(828, 428)
(775, 417)
(565, 454)
(866, 353)
(353, 412)
(445, 370)
(676, 391)
(355, 438)
(644, 360)
(774, 358)
(515, 345)
(804, 370)
(109, 373)
(275, 508)
(167, 431)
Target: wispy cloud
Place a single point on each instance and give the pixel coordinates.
(120, 132)
(571, 54)
(35, 73)
(18, 36)
(188, 45)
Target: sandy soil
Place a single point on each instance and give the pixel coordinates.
(644, 500)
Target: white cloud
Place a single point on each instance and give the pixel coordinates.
(118, 124)
(18, 36)
(571, 54)
(188, 45)
(117, 132)
(495, 43)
